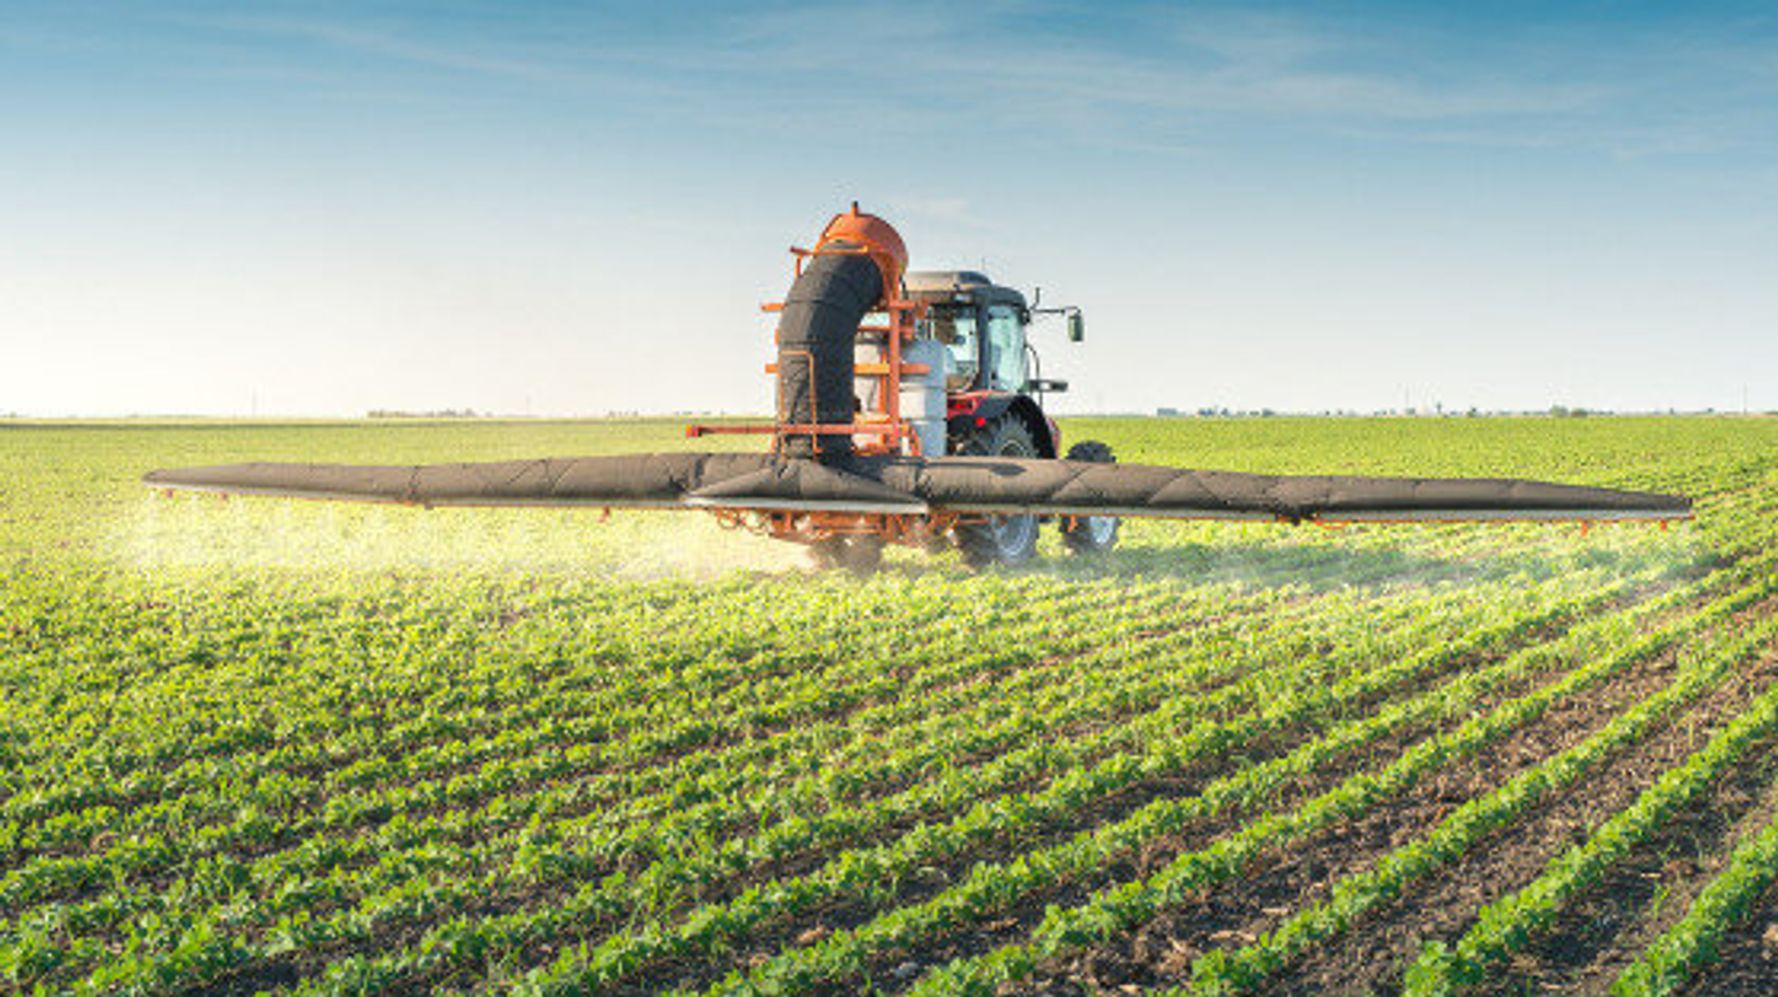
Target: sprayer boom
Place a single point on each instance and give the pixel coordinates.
(909, 410)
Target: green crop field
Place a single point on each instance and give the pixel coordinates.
(318, 748)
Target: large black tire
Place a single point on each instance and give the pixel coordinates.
(998, 539)
(1090, 534)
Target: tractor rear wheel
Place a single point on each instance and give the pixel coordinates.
(1090, 534)
(998, 539)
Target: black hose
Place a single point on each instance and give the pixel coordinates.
(816, 333)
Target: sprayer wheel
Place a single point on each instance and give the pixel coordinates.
(860, 555)
(1090, 534)
(998, 539)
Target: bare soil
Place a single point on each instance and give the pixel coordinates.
(1606, 928)
(1372, 956)
(1747, 961)
(894, 969)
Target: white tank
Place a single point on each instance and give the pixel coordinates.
(922, 395)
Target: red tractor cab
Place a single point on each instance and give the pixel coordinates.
(994, 389)
(993, 368)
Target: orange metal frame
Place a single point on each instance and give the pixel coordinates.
(884, 430)
(812, 527)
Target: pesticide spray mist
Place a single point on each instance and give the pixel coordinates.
(244, 533)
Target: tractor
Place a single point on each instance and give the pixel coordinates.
(940, 365)
(994, 390)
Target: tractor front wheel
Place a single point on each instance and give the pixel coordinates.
(1090, 534)
(998, 539)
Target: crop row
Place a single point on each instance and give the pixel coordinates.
(582, 793)
(325, 723)
(961, 792)
(1353, 897)
(1693, 941)
(1506, 924)
(396, 868)
(1611, 650)
(286, 772)
(437, 731)
(872, 872)
(990, 885)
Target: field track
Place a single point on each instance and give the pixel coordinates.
(313, 748)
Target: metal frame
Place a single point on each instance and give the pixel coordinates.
(887, 431)
(809, 527)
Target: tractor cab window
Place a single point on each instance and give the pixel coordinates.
(1006, 349)
(955, 327)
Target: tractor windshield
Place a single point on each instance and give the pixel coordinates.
(955, 327)
(1006, 349)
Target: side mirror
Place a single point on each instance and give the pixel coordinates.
(1077, 327)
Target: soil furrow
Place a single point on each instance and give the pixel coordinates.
(1375, 953)
(1606, 928)
(1746, 961)
(1370, 956)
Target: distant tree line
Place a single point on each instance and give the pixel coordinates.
(443, 413)
(1554, 411)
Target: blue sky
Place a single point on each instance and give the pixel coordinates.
(326, 208)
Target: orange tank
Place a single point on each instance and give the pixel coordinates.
(877, 236)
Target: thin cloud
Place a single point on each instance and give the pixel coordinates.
(401, 48)
(1253, 71)
(1189, 73)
